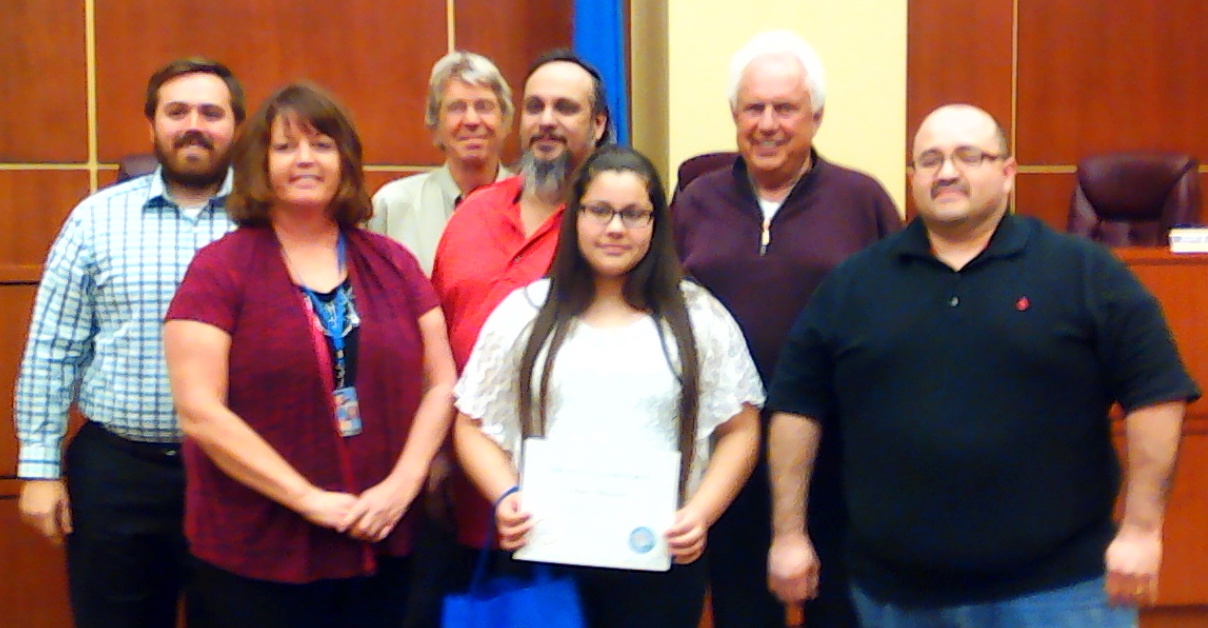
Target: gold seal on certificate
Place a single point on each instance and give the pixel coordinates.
(597, 506)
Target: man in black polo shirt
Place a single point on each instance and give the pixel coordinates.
(970, 362)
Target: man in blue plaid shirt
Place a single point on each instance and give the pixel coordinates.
(117, 493)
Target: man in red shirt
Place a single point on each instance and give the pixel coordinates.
(503, 236)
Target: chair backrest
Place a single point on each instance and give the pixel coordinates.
(135, 166)
(1134, 198)
(694, 167)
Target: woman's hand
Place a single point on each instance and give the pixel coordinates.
(513, 524)
(687, 537)
(376, 512)
(326, 509)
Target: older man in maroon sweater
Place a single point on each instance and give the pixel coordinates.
(761, 235)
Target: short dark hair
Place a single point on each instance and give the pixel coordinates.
(599, 100)
(193, 65)
(311, 106)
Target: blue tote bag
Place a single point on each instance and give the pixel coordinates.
(544, 601)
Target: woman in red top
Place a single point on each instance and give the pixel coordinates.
(311, 369)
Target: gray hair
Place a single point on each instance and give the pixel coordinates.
(780, 42)
(470, 68)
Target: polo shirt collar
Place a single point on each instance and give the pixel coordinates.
(443, 178)
(1009, 239)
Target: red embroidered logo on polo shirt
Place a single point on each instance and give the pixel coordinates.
(1023, 304)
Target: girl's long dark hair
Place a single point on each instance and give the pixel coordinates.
(653, 286)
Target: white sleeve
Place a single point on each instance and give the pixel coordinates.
(488, 389)
(728, 378)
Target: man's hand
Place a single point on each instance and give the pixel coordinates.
(1133, 560)
(44, 505)
(793, 568)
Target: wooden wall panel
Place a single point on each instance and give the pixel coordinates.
(32, 209)
(16, 305)
(43, 79)
(1099, 76)
(1045, 196)
(1175, 617)
(33, 590)
(1185, 562)
(958, 52)
(376, 61)
(513, 33)
(1182, 579)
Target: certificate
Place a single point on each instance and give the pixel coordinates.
(598, 507)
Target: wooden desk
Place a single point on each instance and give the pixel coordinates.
(1180, 282)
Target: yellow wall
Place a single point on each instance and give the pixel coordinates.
(680, 59)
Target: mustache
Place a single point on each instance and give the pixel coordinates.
(557, 137)
(940, 188)
(193, 137)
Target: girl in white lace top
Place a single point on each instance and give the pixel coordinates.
(637, 358)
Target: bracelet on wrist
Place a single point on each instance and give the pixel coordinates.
(499, 500)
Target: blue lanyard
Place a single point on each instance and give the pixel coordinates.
(333, 322)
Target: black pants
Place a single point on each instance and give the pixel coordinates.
(442, 566)
(739, 542)
(126, 558)
(642, 599)
(227, 600)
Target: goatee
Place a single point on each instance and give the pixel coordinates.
(544, 176)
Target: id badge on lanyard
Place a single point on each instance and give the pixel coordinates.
(348, 411)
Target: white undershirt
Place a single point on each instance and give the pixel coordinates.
(769, 209)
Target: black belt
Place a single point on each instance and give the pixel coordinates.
(161, 453)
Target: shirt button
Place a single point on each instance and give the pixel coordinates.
(954, 301)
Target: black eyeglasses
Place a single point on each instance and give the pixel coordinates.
(962, 157)
(631, 217)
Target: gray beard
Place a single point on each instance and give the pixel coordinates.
(544, 177)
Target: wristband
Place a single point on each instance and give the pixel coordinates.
(514, 489)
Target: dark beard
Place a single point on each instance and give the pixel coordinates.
(191, 179)
(542, 175)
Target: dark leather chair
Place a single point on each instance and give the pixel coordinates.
(694, 167)
(135, 166)
(1134, 198)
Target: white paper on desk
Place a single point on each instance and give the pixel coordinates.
(598, 507)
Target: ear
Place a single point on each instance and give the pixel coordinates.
(599, 123)
(151, 130)
(1009, 169)
(818, 116)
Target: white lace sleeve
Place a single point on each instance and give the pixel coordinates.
(728, 378)
(488, 389)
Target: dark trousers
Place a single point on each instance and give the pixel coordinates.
(227, 600)
(442, 566)
(642, 599)
(126, 558)
(739, 542)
